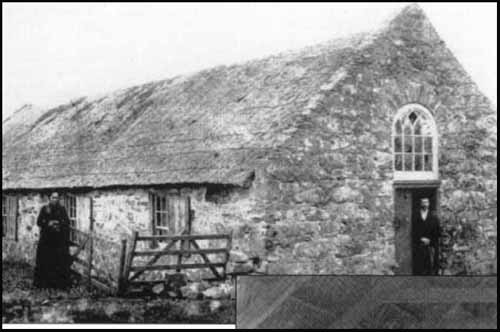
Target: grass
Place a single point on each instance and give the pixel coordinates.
(21, 303)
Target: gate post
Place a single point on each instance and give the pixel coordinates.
(91, 246)
(121, 268)
(129, 260)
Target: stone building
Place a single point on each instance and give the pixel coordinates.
(314, 159)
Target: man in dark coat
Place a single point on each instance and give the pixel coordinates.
(425, 236)
(53, 259)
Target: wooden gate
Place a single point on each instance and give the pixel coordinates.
(182, 247)
(84, 262)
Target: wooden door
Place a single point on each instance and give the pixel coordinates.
(179, 215)
(403, 202)
(10, 207)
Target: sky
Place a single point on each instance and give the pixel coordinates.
(54, 53)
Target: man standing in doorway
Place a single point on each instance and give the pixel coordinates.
(425, 236)
(53, 260)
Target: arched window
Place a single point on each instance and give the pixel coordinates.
(415, 144)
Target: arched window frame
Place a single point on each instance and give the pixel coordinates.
(414, 175)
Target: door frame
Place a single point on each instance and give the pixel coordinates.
(406, 267)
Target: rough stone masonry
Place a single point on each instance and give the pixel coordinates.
(312, 128)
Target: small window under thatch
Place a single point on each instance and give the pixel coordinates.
(218, 194)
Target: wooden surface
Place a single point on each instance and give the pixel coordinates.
(188, 247)
(320, 302)
(402, 215)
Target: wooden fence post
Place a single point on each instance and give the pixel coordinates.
(121, 268)
(129, 260)
(179, 258)
(228, 253)
(91, 246)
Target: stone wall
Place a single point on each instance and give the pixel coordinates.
(117, 213)
(24, 249)
(330, 199)
(322, 203)
(218, 210)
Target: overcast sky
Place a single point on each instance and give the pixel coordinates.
(52, 53)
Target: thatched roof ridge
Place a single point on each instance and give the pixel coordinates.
(214, 126)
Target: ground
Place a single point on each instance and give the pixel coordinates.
(23, 304)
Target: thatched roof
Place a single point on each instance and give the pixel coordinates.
(214, 126)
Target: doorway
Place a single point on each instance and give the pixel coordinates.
(406, 203)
